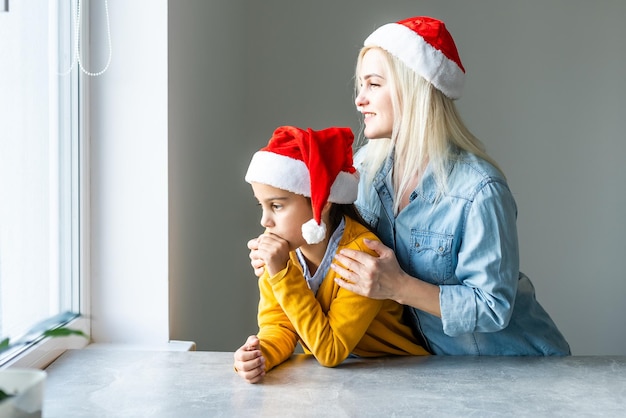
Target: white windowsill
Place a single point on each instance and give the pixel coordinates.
(168, 346)
(44, 352)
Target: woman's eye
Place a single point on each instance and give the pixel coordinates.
(276, 207)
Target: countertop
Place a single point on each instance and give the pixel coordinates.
(121, 383)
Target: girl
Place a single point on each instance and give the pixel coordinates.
(305, 183)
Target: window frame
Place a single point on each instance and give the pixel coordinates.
(44, 351)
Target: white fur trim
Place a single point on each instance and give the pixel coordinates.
(279, 171)
(312, 232)
(420, 56)
(293, 175)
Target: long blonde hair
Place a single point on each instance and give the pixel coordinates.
(426, 130)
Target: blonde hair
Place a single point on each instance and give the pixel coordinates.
(426, 130)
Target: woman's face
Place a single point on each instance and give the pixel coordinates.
(374, 98)
(283, 213)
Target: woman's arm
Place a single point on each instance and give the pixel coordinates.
(380, 277)
(487, 267)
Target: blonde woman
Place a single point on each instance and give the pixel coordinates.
(439, 204)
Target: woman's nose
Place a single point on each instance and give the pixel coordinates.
(360, 99)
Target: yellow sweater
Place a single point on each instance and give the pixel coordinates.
(333, 323)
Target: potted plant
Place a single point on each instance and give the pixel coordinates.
(22, 392)
(21, 389)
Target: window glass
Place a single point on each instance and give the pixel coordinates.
(38, 165)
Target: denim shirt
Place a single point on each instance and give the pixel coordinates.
(464, 241)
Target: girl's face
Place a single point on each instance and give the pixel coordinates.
(283, 213)
(374, 98)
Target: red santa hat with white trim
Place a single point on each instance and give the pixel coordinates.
(315, 164)
(424, 45)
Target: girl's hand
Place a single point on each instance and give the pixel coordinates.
(366, 275)
(256, 262)
(274, 251)
(249, 361)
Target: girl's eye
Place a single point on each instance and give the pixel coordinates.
(276, 206)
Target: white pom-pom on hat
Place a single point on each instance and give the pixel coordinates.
(312, 232)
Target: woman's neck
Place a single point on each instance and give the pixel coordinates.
(404, 195)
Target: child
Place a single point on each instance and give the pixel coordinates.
(304, 180)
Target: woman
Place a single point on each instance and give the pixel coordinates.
(439, 203)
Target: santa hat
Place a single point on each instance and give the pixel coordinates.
(315, 164)
(424, 45)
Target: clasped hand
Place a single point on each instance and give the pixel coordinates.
(268, 251)
(249, 360)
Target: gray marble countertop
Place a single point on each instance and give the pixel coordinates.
(120, 383)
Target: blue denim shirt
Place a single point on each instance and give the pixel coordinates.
(465, 242)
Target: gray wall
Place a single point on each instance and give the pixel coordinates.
(545, 91)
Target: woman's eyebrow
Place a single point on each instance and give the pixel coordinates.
(367, 76)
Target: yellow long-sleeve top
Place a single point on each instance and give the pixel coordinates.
(333, 323)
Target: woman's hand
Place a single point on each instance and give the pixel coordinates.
(374, 277)
(382, 278)
(249, 361)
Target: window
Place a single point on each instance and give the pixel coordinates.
(39, 168)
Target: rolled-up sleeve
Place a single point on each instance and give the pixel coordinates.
(487, 267)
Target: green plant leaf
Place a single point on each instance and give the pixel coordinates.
(4, 395)
(4, 344)
(63, 332)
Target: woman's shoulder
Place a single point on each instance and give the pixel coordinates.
(471, 164)
(471, 173)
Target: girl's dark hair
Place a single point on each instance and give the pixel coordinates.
(338, 211)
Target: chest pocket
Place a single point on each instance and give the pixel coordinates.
(431, 256)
